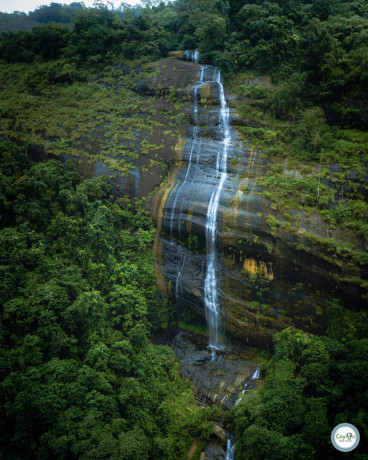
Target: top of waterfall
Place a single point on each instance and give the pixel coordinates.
(191, 55)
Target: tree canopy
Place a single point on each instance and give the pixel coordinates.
(325, 41)
(80, 377)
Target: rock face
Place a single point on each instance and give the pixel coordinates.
(154, 130)
(271, 275)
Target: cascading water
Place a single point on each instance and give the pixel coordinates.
(195, 135)
(212, 303)
(191, 55)
(187, 185)
(230, 450)
(230, 447)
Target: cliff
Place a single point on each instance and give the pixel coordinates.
(277, 269)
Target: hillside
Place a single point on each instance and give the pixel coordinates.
(244, 166)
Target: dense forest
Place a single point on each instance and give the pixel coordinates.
(81, 373)
(80, 377)
(317, 49)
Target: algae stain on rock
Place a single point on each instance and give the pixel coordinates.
(253, 266)
(159, 200)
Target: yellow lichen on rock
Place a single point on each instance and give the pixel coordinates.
(176, 54)
(231, 212)
(253, 267)
(179, 147)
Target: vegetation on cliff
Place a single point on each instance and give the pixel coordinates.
(94, 115)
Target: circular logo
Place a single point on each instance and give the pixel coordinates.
(345, 437)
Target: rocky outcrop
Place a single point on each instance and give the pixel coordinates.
(215, 381)
(152, 135)
(171, 77)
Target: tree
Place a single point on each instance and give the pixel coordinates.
(312, 129)
(286, 99)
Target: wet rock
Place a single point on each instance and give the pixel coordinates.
(124, 68)
(209, 93)
(219, 432)
(143, 88)
(213, 452)
(217, 379)
(263, 80)
(254, 305)
(144, 172)
(237, 120)
(172, 77)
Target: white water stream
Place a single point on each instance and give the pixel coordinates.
(230, 450)
(211, 298)
(230, 447)
(195, 140)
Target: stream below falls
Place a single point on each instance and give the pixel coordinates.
(216, 380)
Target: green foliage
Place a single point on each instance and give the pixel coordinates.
(350, 214)
(256, 91)
(315, 50)
(79, 376)
(193, 242)
(345, 325)
(273, 223)
(55, 13)
(295, 193)
(286, 99)
(310, 386)
(312, 130)
(97, 35)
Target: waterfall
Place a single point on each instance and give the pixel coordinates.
(192, 209)
(251, 384)
(191, 55)
(212, 303)
(189, 185)
(195, 134)
(230, 450)
(255, 375)
(177, 284)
